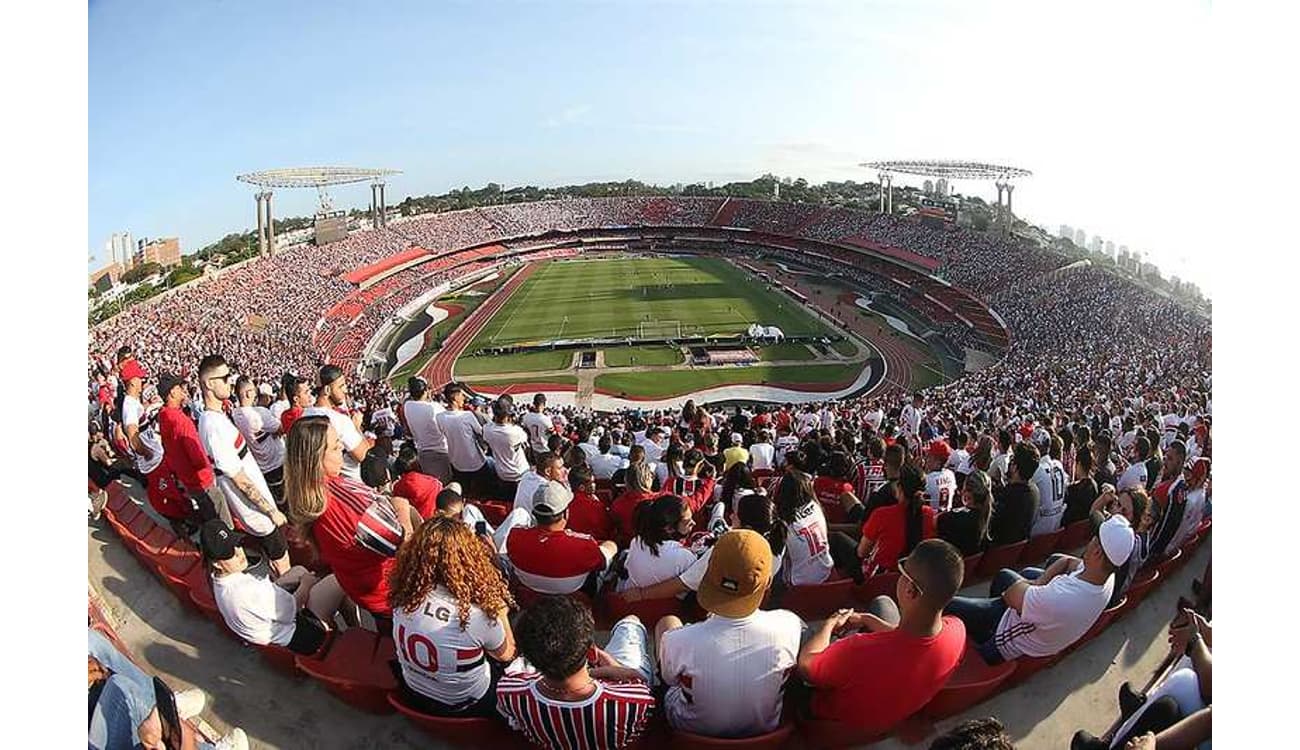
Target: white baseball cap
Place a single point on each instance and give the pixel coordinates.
(1116, 537)
(551, 499)
(737, 438)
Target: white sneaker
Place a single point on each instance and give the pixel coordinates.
(190, 703)
(236, 740)
(97, 503)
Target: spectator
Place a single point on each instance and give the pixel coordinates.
(449, 617)
(332, 402)
(1049, 478)
(975, 734)
(263, 612)
(1058, 604)
(703, 663)
(967, 527)
(463, 429)
(450, 504)
(762, 454)
(261, 431)
(735, 452)
(605, 464)
(808, 550)
(940, 482)
(894, 531)
(639, 480)
(549, 468)
(657, 553)
(185, 455)
(127, 706)
(587, 513)
(537, 424)
(570, 691)
(300, 399)
(1083, 491)
(998, 470)
(356, 531)
(420, 414)
(912, 642)
(835, 493)
(241, 481)
(1015, 506)
(549, 558)
(1136, 473)
(420, 489)
(507, 441)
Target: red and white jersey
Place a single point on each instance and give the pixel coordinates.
(808, 553)
(259, 428)
(1051, 480)
(438, 658)
(612, 717)
(940, 489)
(554, 562)
(703, 663)
(911, 420)
(134, 413)
(230, 456)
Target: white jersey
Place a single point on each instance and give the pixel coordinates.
(253, 607)
(278, 408)
(1052, 617)
(507, 442)
(539, 428)
(762, 456)
(421, 420)
(1169, 434)
(438, 659)
(1051, 482)
(525, 489)
(941, 489)
(230, 455)
(348, 433)
(604, 465)
(134, 413)
(1134, 476)
(808, 421)
(706, 663)
(645, 568)
(874, 418)
(808, 553)
(462, 429)
(259, 427)
(911, 419)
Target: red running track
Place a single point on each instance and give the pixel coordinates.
(438, 371)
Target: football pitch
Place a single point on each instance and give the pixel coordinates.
(640, 298)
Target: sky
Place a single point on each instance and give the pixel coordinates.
(1105, 102)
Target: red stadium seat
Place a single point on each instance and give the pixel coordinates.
(817, 601)
(649, 611)
(280, 658)
(1139, 589)
(495, 511)
(1074, 536)
(356, 670)
(682, 740)
(141, 526)
(1028, 666)
(525, 596)
(827, 735)
(881, 584)
(997, 558)
(475, 732)
(972, 682)
(120, 503)
(1038, 548)
(1166, 566)
(971, 563)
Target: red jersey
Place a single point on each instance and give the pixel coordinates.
(828, 490)
(588, 515)
(888, 527)
(611, 718)
(421, 489)
(553, 562)
(358, 536)
(624, 511)
(183, 452)
(872, 681)
(290, 415)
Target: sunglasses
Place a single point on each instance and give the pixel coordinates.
(902, 572)
(227, 377)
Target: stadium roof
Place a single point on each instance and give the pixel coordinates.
(950, 169)
(303, 177)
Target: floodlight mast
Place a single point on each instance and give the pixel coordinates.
(1000, 174)
(319, 178)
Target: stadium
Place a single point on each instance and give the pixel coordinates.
(701, 316)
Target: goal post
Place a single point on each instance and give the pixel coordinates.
(659, 329)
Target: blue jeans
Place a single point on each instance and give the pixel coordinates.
(630, 645)
(982, 615)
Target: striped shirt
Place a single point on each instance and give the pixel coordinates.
(612, 717)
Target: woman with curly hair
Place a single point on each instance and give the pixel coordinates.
(449, 614)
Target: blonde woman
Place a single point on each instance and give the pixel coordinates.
(449, 615)
(356, 531)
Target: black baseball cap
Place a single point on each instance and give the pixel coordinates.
(217, 541)
(167, 381)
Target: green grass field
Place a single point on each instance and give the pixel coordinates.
(677, 382)
(548, 379)
(782, 352)
(644, 355)
(611, 298)
(524, 362)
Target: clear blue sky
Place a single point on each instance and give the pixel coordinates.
(1101, 101)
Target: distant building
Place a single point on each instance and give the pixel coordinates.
(928, 187)
(1066, 232)
(1110, 248)
(941, 187)
(120, 249)
(107, 277)
(165, 252)
(1123, 249)
(1096, 245)
(1080, 237)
